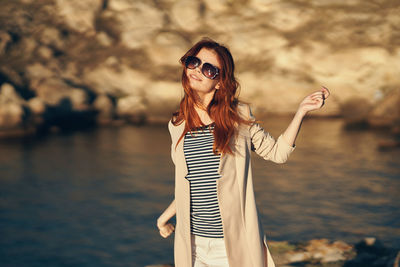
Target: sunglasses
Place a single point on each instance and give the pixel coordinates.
(208, 70)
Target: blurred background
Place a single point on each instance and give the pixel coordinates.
(87, 88)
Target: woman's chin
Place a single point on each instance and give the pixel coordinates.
(194, 81)
(195, 85)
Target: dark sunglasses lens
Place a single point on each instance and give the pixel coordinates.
(192, 62)
(209, 70)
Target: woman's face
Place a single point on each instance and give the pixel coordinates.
(198, 82)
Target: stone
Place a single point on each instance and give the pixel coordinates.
(300, 57)
(11, 116)
(380, 33)
(131, 108)
(355, 110)
(71, 72)
(105, 107)
(50, 91)
(263, 5)
(78, 15)
(372, 252)
(279, 92)
(137, 22)
(333, 256)
(104, 39)
(298, 256)
(342, 245)
(11, 107)
(51, 37)
(361, 71)
(45, 52)
(79, 99)
(36, 106)
(288, 17)
(29, 45)
(335, 3)
(38, 71)
(318, 250)
(116, 79)
(167, 48)
(218, 6)
(9, 95)
(162, 98)
(387, 111)
(371, 245)
(53, 91)
(223, 25)
(257, 43)
(187, 15)
(392, 16)
(120, 5)
(5, 39)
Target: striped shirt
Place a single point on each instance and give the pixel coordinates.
(203, 164)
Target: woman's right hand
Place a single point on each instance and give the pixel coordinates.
(166, 229)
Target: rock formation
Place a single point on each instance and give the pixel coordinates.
(118, 59)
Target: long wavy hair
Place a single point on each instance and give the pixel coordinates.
(223, 106)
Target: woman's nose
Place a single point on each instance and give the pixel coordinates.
(198, 68)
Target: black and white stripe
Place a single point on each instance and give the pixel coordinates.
(203, 166)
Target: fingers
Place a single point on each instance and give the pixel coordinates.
(315, 100)
(313, 103)
(318, 93)
(317, 96)
(165, 235)
(326, 92)
(167, 230)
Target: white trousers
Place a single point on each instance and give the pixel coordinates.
(208, 252)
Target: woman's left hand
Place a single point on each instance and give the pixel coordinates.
(314, 101)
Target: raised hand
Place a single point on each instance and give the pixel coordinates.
(314, 101)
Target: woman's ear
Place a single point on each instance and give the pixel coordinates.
(217, 86)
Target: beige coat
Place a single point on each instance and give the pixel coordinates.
(244, 237)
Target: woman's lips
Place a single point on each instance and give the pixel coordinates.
(194, 77)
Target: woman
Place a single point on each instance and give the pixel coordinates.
(213, 134)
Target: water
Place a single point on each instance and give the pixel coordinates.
(92, 198)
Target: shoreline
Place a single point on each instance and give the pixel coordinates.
(91, 124)
(368, 252)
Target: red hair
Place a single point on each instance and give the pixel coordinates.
(222, 108)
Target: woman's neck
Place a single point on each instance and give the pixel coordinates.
(201, 106)
(203, 115)
(203, 100)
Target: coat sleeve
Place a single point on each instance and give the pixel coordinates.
(170, 128)
(266, 146)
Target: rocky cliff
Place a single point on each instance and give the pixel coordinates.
(72, 62)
